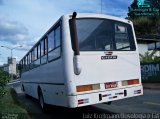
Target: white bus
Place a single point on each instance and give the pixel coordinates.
(83, 59)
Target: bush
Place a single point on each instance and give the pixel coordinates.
(149, 57)
(3, 81)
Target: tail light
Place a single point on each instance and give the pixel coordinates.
(130, 82)
(83, 88)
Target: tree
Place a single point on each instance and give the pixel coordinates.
(155, 3)
(144, 25)
(131, 14)
(4, 77)
(149, 8)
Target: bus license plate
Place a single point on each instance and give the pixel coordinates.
(111, 85)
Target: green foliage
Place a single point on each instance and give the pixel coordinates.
(149, 57)
(147, 8)
(3, 81)
(144, 25)
(10, 106)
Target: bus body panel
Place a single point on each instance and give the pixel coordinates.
(50, 79)
(125, 67)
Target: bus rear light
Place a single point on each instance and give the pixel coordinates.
(83, 101)
(83, 88)
(96, 86)
(124, 83)
(130, 82)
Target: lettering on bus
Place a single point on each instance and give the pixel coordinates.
(108, 57)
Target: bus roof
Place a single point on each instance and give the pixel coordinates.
(103, 16)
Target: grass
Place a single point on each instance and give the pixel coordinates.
(11, 108)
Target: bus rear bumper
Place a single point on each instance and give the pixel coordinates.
(104, 96)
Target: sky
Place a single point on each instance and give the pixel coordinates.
(23, 22)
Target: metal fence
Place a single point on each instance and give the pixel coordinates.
(150, 72)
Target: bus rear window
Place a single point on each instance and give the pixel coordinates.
(104, 35)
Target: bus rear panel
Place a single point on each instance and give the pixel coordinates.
(108, 61)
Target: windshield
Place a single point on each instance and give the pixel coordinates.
(104, 35)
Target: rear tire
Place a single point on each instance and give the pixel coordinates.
(23, 89)
(41, 102)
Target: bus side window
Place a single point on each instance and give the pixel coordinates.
(57, 36)
(22, 66)
(37, 55)
(51, 41)
(24, 63)
(32, 58)
(55, 52)
(44, 51)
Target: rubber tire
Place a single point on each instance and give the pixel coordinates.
(22, 88)
(26, 95)
(41, 102)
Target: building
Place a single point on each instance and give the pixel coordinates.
(10, 67)
(148, 43)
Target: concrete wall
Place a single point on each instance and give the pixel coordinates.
(12, 65)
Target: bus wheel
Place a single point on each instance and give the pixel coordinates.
(41, 102)
(22, 88)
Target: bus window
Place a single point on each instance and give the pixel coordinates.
(43, 51)
(32, 58)
(51, 41)
(54, 54)
(35, 52)
(27, 64)
(37, 55)
(42, 48)
(121, 37)
(57, 36)
(22, 65)
(104, 35)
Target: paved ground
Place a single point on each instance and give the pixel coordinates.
(147, 103)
